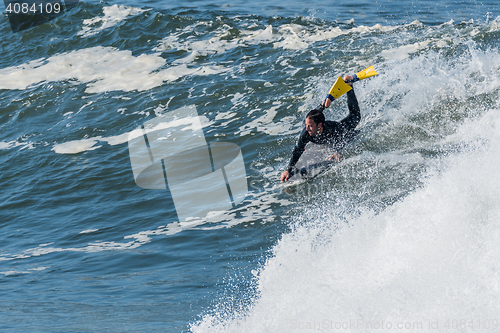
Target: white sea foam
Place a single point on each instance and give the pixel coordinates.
(494, 25)
(101, 69)
(403, 52)
(266, 123)
(12, 144)
(90, 247)
(77, 146)
(88, 231)
(16, 272)
(6, 145)
(105, 69)
(434, 256)
(88, 144)
(113, 15)
(286, 36)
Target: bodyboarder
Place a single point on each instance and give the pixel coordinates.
(320, 131)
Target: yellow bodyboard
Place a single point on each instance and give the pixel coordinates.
(339, 88)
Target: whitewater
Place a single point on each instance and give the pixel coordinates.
(413, 244)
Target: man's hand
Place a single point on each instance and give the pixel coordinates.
(347, 78)
(335, 157)
(285, 175)
(327, 103)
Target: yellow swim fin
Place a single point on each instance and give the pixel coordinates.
(364, 74)
(338, 89)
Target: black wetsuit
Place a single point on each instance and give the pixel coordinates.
(335, 134)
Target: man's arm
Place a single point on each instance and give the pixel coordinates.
(297, 152)
(352, 120)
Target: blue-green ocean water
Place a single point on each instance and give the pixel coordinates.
(403, 231)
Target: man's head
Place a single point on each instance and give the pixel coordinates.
(315, 120)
